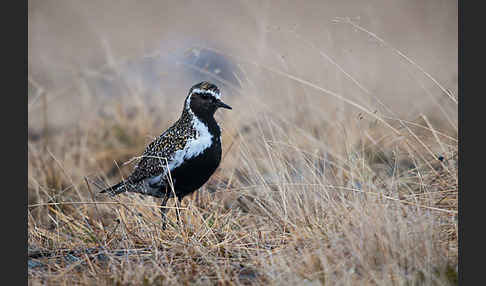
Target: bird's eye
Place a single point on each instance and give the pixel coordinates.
(205, 96)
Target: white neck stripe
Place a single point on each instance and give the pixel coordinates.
(194, 146)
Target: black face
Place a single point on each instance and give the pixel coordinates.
(204, 99)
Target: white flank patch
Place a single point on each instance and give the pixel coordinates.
(202, 142)
(194, 147)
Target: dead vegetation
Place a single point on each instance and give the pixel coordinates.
(306, 194)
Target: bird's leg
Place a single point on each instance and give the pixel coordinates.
(163, 211)
(178, 204)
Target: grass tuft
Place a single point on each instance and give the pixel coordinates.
(305, 194)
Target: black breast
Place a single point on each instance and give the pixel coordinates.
(193, 173)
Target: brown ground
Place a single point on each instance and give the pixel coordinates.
(331, 171)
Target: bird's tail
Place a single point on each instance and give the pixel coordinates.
(115, 189)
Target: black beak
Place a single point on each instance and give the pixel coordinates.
(219, 103)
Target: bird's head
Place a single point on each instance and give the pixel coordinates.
(204, 99)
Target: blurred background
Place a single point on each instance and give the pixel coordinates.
(340, 151)
(158, 49)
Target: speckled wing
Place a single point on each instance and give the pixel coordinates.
(159, 153)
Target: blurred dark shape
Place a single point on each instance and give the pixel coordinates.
(205, 61)
(164, 71)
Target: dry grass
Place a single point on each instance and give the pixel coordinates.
(307, 194)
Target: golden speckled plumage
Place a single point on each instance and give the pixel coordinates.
(175, 138)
